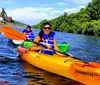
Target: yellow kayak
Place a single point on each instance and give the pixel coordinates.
(68, 67)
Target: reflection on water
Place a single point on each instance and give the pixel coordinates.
(37, 76)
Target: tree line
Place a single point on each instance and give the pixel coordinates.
(86, 21)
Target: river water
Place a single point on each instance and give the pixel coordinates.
(14, 72)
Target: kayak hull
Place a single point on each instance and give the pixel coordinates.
(64, 66)
(42, 61)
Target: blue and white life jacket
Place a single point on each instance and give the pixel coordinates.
(48, 41)
(29, 35)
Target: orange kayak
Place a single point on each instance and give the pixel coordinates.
(68, 67)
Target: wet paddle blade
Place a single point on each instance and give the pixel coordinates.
(18, 42)
(12, 33)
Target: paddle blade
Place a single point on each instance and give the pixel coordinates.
(12, 33)
(18, 42)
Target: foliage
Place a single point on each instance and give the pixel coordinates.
(86, 21)
(19, 23)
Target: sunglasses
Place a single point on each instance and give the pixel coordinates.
(49, 28)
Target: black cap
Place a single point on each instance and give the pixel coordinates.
(28, 26)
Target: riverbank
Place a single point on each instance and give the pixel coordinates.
(11, 25)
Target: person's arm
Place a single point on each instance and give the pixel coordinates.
(24, 33)
(55, 45)
(34, 46)
(56, 48)
(37, 39)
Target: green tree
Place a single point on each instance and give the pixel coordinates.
(86, 21)
(93, 9)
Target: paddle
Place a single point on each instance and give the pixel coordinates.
(16, 35)
(11, 33)
(18, 42)
(51, 49)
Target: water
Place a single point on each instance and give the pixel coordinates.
(14, 72)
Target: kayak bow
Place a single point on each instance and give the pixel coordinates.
(68, 67)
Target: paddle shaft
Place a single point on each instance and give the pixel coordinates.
(51, 49)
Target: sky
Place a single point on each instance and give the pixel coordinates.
(33, 11)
